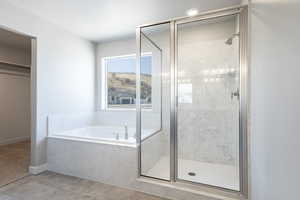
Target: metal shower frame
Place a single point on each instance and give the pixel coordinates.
(242, 13)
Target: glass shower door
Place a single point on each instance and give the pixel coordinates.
(208, 81)
(154, 95)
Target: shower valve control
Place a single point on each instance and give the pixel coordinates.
(235, 94)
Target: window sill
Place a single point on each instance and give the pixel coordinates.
(123, 110)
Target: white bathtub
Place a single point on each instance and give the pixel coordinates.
(104, 134)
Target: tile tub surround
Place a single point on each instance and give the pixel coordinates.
(114, 165)
(14, 161)
(52, 186)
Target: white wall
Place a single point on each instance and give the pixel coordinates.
(65, 70)
(275, 138)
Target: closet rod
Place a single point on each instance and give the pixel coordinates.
(15, 74)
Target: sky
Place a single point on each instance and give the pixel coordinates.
(128, 64)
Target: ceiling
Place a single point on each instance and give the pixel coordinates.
(13, 40)
(100, 20)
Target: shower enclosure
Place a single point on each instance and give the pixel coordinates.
(199, 92)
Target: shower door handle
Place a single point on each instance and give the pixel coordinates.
(235, 94)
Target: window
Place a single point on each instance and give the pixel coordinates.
(119, 79)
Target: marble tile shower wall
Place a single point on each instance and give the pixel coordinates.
(208, 136)
(209, 133)
(208, 128)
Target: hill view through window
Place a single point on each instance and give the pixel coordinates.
(121, 81)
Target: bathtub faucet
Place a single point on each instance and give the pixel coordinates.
(126, 131)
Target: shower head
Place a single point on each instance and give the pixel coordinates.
(229, 40)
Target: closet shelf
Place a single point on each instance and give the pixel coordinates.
(15, 64)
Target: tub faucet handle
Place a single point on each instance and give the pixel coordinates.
(117, 136)
(126, 131)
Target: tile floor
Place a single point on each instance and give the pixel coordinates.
(14, 161)
(52, 186)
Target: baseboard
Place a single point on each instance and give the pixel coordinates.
(38, 169)
(14, 140)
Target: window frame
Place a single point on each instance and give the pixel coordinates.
(103, 91)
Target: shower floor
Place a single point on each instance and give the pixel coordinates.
(220, 175)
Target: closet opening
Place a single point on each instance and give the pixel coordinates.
(15, 104)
